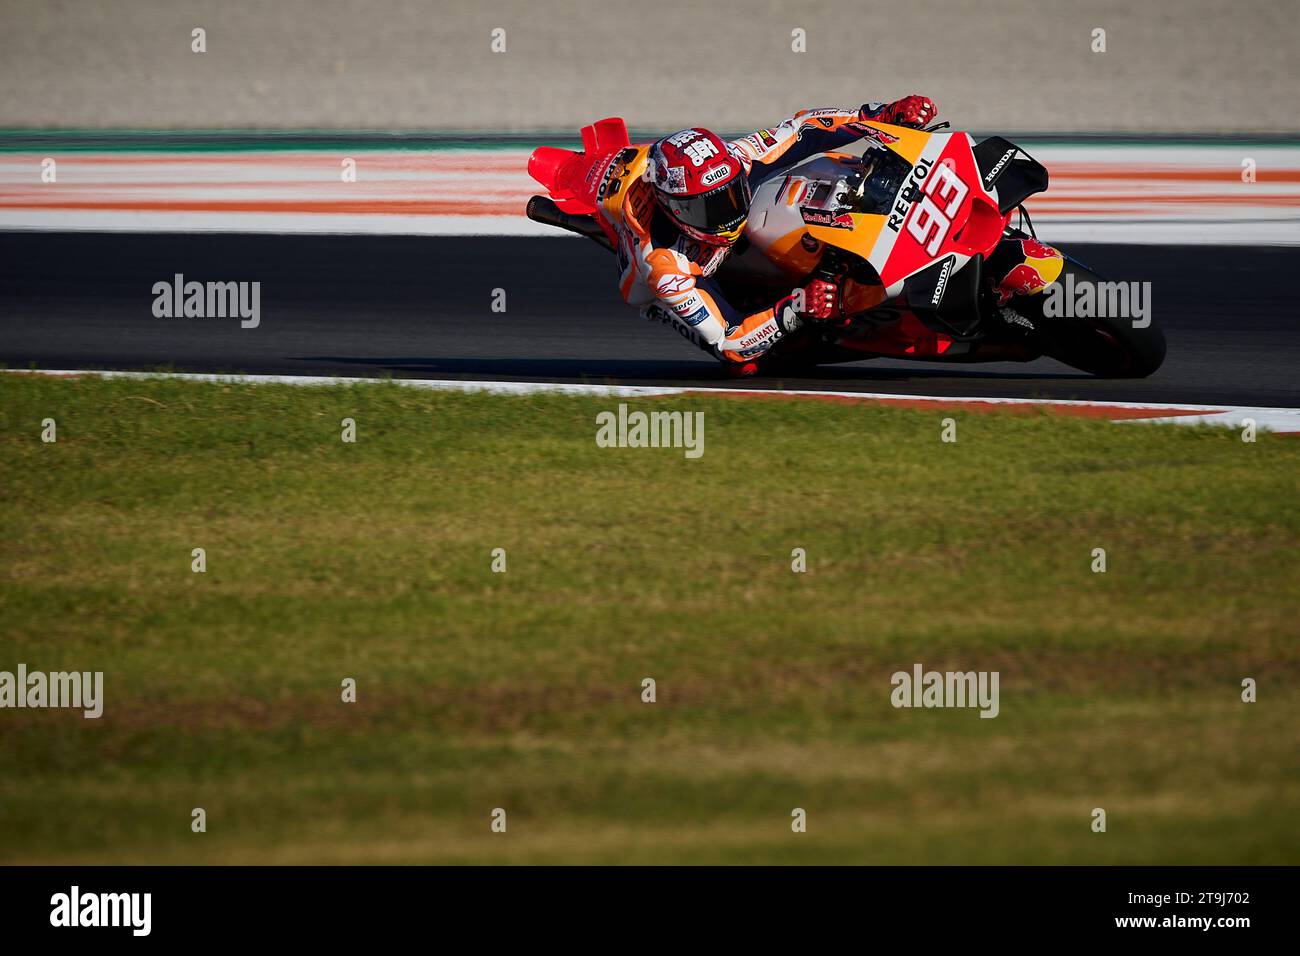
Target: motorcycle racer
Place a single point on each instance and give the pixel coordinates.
(857, 227)
(677, 207)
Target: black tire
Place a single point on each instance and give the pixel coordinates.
(1107, 347)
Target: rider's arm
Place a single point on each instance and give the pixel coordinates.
(698, 309)
(795, 139)
(816, 130)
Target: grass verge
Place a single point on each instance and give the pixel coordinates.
(522, 690)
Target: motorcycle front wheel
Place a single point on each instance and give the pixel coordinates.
(1107, 346)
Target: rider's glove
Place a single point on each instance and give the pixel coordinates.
(915, 111)
(821, 300)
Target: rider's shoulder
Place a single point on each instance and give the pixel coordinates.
(667, 259)
(668, 272)
(634, 206)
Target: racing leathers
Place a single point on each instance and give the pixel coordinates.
(669, 275)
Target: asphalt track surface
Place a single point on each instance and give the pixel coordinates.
(416, 307)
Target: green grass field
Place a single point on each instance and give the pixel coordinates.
(479, 690)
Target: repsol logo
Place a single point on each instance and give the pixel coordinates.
(911, 189)
(997, 169)
(658, 314)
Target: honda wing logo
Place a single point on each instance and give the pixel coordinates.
(996, 171)
(942, 283)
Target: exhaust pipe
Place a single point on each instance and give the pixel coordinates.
(540, 209)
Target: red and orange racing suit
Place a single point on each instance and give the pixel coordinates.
(668, 275)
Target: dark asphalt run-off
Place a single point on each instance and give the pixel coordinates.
(421, 307)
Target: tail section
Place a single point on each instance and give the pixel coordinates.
(564, 173)
(605, 136)
(560, 172)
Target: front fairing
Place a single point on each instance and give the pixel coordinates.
(939, 206)
(916, 213)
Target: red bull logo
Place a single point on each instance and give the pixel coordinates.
(879, 135)
(1033, 249)
(1040, 269)
(824, 217)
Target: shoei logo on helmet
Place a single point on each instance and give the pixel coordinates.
(717, 174)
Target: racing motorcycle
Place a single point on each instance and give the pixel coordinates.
(904, 224)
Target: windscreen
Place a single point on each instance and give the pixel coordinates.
(883, 173)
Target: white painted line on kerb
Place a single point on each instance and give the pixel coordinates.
(1284, 420)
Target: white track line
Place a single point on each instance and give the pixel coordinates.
(1282, 420)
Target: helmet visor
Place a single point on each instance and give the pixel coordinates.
(717, 211)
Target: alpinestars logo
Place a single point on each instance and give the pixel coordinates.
(674, 283)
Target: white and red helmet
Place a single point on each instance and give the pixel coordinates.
(700, 185)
